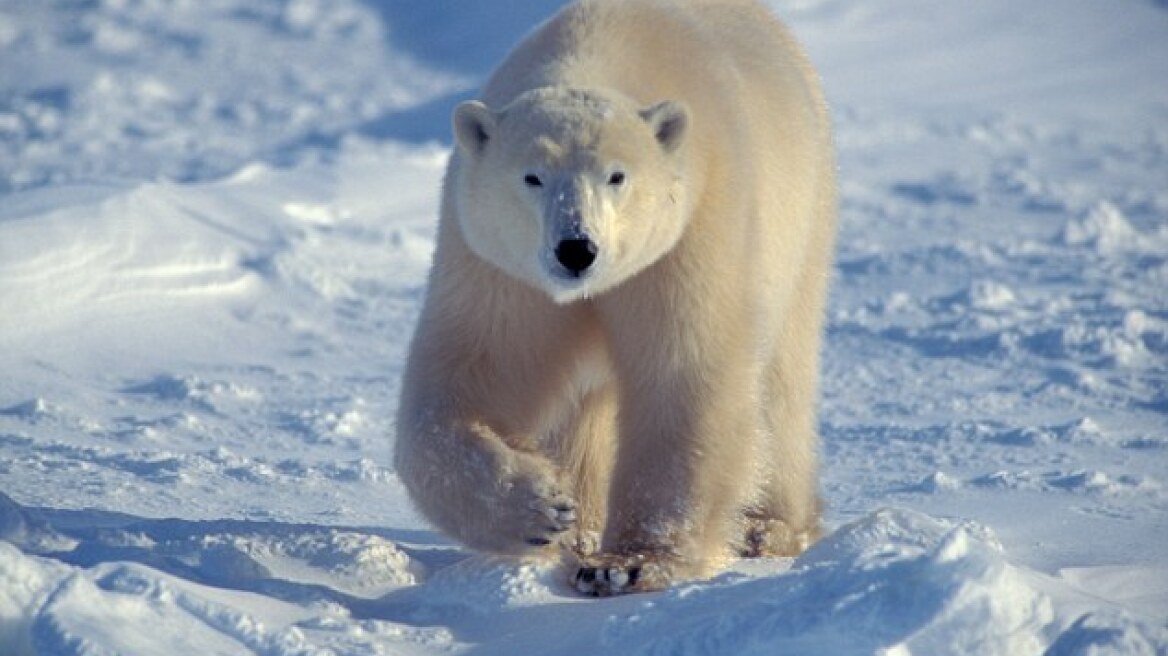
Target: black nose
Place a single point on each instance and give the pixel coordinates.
(576, 255)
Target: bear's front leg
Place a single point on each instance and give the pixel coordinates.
(486, 366)
(688, 436)
(482, 492)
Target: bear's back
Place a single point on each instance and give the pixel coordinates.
(703, 52)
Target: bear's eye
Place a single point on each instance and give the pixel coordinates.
(616, 178)
(532, 180)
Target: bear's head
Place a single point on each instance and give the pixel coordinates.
(570, 190)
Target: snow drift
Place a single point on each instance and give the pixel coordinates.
(893, 582)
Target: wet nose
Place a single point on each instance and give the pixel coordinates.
(576, 255)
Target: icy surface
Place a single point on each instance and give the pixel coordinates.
(215, 223)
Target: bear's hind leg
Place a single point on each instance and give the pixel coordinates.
(784, 520)
(766, 535)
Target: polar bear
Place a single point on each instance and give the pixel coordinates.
(617, 357)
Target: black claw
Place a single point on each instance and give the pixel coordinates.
(538, 542)
(599, 580)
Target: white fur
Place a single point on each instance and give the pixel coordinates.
(663, 398)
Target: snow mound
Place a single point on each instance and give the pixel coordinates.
(1098, 634)
(120, 607)
(119, 610)
(482, 586)
(361, 565)
(21, 529)
(894, 582)
(1104, 228)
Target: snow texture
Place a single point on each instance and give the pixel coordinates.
(216, 219)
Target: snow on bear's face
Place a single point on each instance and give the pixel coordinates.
(572, 191)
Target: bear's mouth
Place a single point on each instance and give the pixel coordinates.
(572, 281)
(567, 277)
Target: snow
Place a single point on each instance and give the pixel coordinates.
(215, 225)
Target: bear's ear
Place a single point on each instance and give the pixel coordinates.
(669, 121)
(474, 123)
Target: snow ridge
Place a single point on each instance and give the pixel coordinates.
(894, 582)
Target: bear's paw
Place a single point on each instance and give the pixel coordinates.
(610, 575)
(542, 512)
